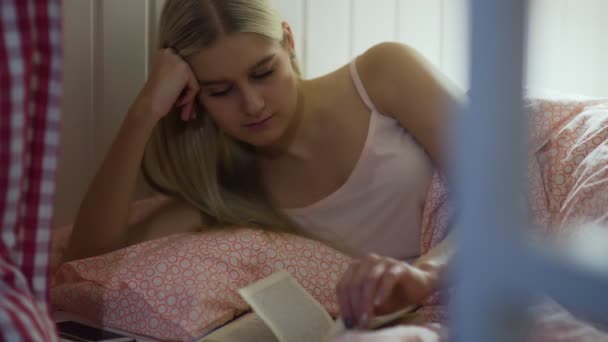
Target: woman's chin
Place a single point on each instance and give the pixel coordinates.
(266, 144)
(267, 139)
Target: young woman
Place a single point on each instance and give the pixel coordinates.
(227, 127)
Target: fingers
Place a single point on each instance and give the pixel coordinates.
(189, 83)
(186, 113)
(343, 294)
(388, 282)
(378, 285)
(193, 88)
(357, 289)
(171, 86)
(365, 287)
(188, 99)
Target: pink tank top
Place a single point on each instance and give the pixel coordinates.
(379, 208)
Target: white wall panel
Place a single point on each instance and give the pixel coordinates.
(124, 57)
(567, 46)
(373, 22)
(455, 41)
(123, 52)
(155, 10)
(419, 25)
(545, 43)
(159, 6)
(583, 42)
(76, 152)
(328, 35)
(603, 75)
(105, 61)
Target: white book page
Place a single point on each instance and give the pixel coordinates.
(247, 328)
(291, 313)
(338, 328)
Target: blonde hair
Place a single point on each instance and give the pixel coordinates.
(196, 161)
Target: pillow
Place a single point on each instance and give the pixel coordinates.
(182, 286)
(138, 211)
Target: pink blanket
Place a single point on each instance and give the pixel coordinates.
(567, 169)
(568, 184)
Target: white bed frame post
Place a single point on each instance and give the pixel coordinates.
(494, 272)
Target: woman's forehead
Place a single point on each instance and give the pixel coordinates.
(232, 54)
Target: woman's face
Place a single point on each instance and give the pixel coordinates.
(248, 87)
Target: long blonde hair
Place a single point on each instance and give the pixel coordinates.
(195, 160)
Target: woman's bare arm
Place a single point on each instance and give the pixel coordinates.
(101, 223)
(102, 218)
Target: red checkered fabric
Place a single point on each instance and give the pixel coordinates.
(30, 94)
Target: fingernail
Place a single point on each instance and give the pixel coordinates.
(377, 300)
(348, 323)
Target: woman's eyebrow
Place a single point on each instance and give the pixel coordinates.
(261, 62)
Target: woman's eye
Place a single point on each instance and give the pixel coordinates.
(219, 93)
(263, 74)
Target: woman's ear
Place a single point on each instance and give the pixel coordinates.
(288, 39)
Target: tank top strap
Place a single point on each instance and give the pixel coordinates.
(354, 74)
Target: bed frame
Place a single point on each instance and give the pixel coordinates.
(495, 279)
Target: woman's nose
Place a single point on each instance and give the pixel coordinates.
(253, 102)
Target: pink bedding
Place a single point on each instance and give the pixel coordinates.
(567, 169)
(568, 183)
(181, 286)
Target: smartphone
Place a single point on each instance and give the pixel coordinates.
(74, 331)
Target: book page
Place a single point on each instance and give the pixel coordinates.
(246, 328)
(286, 307)
(377, 322)
(380, 321)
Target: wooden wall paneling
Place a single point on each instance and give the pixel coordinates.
(76, 140)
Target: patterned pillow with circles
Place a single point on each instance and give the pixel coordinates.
(181, 286)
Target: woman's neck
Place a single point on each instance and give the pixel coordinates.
(298, 140)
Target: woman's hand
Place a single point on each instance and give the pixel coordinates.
(171, 83)
(381, 285)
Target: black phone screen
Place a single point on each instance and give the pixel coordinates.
(75, 331)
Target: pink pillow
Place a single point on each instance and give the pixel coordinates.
(139, 210)
(182, 286)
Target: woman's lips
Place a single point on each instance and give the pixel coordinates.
(259, 123)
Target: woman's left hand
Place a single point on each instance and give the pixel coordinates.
(379, 285)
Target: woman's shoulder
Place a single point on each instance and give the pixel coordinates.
(387, 52)
(378, 57)
(375, 67)
(383, 62)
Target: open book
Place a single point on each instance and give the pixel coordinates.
(285, 312)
